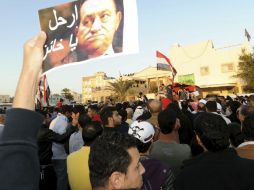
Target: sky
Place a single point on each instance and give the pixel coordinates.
(161, 24)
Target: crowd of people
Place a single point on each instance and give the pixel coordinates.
(163, 143)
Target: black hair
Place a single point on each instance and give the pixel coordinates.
(251, 98)
(123, 114)
(108, 154)
(211, 106)
(83, 120)
(212, 131)
(91, 131)
(234, 105)
(246, 110)
(93, 107)
(248, 128)
(119, 106)
(167, 120)
(143, 147)
(235, 134)
(105, 113)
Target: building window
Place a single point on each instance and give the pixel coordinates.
(204, 71)
(227, 67)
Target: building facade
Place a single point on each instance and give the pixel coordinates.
(212, 69)
(5, 98)
(96, 87)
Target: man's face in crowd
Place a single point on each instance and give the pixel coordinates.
(117, 119)
(133, 178)
(98, 24)
(91, 112)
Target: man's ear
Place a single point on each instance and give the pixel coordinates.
(116, 180)
(119, 18)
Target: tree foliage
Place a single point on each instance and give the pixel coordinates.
(246, 68)
(67, 94)
(120, 87)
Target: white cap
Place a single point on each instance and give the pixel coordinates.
(203, 101)
(138, 112)
(219, 108)
(142, 130)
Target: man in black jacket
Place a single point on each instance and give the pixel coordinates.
(219, 167)
(19, 168)
(45, 139)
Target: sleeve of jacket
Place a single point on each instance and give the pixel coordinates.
(19, 168)
(55, 137)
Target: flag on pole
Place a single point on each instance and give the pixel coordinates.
(247, 34)
(163, 63)
(43, 92)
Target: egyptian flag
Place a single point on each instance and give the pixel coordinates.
(43, 92)
(46, 89)
(163, 63)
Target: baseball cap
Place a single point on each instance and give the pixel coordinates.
(142, 130)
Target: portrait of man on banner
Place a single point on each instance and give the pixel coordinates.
(82, 30)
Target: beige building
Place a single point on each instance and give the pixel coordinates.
(5, 98)
(96, 87)
(154, 78)
(212, 69)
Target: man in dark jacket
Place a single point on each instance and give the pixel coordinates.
(19, 168)
(219, 167)
(45, 138)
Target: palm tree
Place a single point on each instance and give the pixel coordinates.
(121, 87)
(67, 94)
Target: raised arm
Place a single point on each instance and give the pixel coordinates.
(30, 74)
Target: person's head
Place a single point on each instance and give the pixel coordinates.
(91, 131)
(138, 112)
(154, 106)
(66, 110)
(168, 121)
(168, 92)
(251, 100)
(232, 107)
(92, 110)
(202, 105)
(110, 117)
(123, 114)
(2, 119)
(99, 20)
(248, 128)
(211, 106)
(114, 162)
(235, 134)
(244, 111)
(129, 113)
(144, 132)
(212, 132)
(83, 120)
